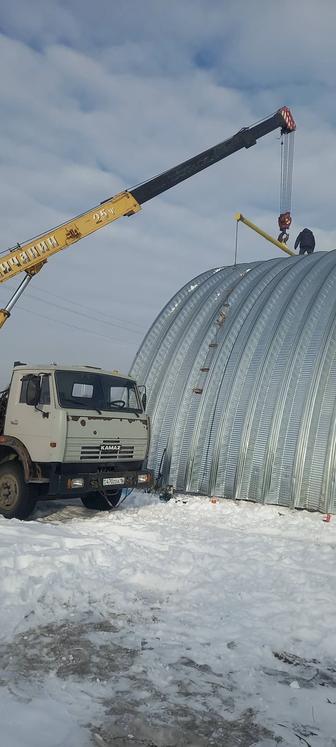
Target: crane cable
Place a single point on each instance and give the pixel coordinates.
(236, 245)
(286, 180)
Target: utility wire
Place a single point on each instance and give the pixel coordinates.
(74, 326)
(107, 321)
(236, 244)
(85, 316)
(108, 317)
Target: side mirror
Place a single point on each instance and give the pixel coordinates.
(143, 394)
(33, 391)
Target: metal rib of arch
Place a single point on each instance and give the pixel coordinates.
(240, 369)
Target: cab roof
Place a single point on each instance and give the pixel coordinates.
(49, 367)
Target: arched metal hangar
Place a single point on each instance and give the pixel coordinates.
(240, 369)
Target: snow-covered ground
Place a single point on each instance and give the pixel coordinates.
(186, 623)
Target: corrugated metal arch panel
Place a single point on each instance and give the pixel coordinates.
(176, 364)
(170, 348)
(267, 390)
(290, 407)
(158, 352)
(185, 419)
(180, 425)
(329, 476)
(221, 398)
(311, 464)
(262, 425)
(239, 473)
(143, 365)
(266, 373)
(310, 458)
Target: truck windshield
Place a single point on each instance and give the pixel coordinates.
(95, 391)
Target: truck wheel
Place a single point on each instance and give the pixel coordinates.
(98, 502)
(15, 499)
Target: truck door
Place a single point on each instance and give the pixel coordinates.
(35, 425)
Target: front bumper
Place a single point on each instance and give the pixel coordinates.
(91, 482)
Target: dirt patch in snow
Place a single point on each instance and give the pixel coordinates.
(307, 673)
(190, 729)
(138, 712)
(84, 650)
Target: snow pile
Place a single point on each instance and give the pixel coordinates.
(184, 623)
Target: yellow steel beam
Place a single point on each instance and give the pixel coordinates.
(29, 257)
(264, 234)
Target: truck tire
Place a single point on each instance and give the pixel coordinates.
(16, 501)
(98, 502)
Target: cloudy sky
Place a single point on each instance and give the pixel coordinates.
(97, 97)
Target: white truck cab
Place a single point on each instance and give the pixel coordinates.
(68, 431)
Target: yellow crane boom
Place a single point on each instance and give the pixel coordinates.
(32, 255)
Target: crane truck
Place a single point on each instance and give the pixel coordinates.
(81, 431)
(68, 432)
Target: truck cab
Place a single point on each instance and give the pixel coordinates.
(70, 431)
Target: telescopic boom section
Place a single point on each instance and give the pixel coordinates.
(245, 138)
(31, 256)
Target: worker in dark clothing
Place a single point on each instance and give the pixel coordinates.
(306, 241)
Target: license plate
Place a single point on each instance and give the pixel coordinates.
(113, 480)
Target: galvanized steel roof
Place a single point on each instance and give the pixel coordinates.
(240, 369)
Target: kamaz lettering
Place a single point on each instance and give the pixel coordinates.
(110, 447)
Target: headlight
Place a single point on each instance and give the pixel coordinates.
(143, 478)
(77, 482)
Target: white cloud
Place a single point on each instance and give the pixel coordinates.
(97, 97)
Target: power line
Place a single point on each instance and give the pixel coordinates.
(86, 316)
(108, 322)
(85, 306)
(74, 326)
